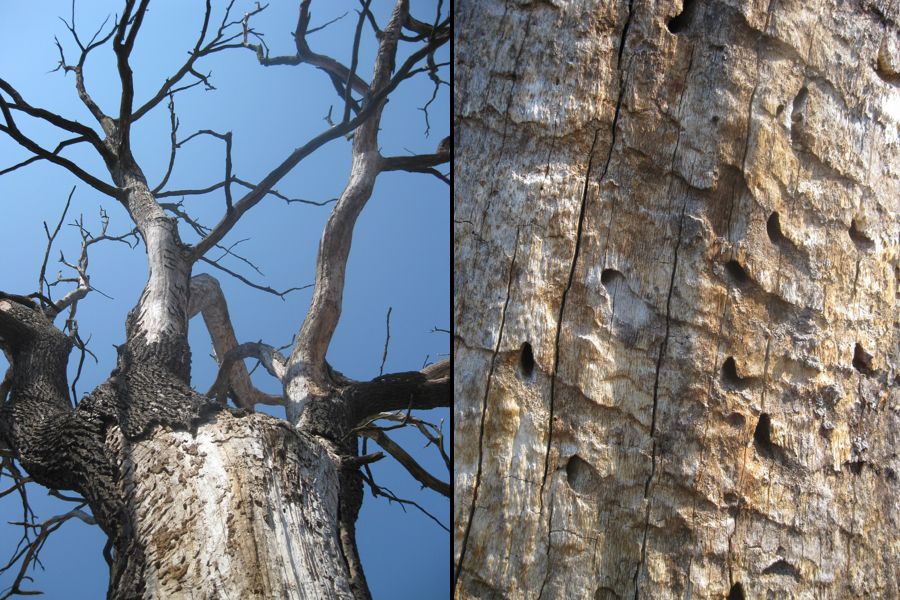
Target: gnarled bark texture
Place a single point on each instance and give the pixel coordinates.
(677, 273)
(244, 508)
(197, 503)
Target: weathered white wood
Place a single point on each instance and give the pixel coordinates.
(207, 299)
(246, 508)
(635, 205)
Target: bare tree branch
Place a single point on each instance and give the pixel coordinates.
(339, 73)
(16, 134)
(308, 356)
(207, 298)
(78, 69)
(28, 554)
(354, 60)
(191, 192)
(242, 279)
(387, 339)
(56, 151)
(82, 278)
(409, 463)
(221, 41)
(173, 144)
(378, 490)
(419, 163)
(268, 356)
(52, 118)
(417, 390)
(42, 276)
(123, 44)
(243, 183)
(277, 194)
(431, 432)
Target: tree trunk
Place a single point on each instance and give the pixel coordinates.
(197, 502)
(676, 341)
(245, 508)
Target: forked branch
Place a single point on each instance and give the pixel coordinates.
(339, 73)
(207, 299)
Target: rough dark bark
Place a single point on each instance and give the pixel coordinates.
(91, 450)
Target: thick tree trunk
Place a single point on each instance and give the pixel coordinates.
(197, 502)
(676, 299)
(245, 508)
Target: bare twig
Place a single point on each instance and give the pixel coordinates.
(262, 288)
(243, 183)
(42, 277)
(173, 128)
(354, 60)
(229, 251)
(378, 490)
(28, 554)
(428, 480)
(326, 24)
(387, 339)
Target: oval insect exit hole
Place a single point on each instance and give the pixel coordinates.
(526, 359)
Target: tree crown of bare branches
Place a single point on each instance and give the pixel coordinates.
(311, 385)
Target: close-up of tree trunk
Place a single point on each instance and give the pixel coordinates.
(677, 271)
(200, 499)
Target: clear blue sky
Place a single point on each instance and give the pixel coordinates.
(400, 255)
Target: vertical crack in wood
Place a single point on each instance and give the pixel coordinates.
(547, 574)
(624, 35)
(562, 304)
(659, 362)
(487, 390)
(612, 145)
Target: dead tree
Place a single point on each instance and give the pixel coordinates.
(254, 506)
